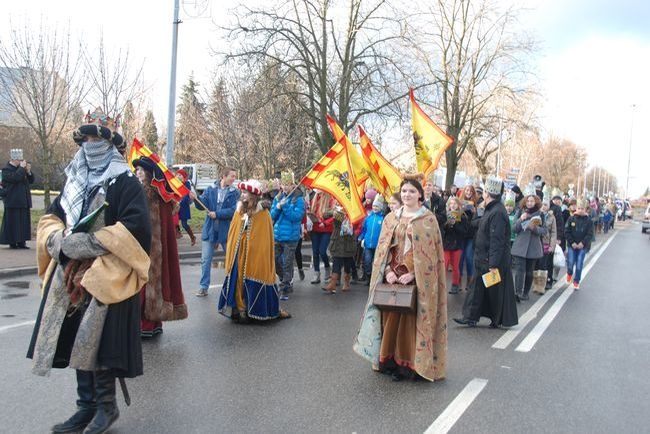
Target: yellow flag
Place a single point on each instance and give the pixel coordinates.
(333, 174)
(385, 177)
(430, 141)
(357, 163)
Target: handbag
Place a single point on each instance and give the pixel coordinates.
(395, 297)
(558, 257)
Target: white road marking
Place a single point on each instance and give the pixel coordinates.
(13, 326)
(506, 339)
(457, 407)
(529, 342)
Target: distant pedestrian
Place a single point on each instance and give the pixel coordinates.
(321, 215)
(221, 202)
(492, 254)
(184, 213)
(454, 232)
(287, 212)
(579, 233)
(16, 221)
(369, 235)
(343, 247)
(527, 248)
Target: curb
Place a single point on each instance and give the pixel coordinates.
(32, 269)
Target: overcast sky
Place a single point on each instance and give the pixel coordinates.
(595, 62)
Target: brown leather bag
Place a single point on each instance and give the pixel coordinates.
(395, 297)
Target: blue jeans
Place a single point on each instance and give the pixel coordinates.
(284, 255)
(575, 257)
(467, 258)
(319, 243)
(368, 257)
(207, 253)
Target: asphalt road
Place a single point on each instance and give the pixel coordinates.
(585, 373)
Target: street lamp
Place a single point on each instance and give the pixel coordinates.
(629, 156)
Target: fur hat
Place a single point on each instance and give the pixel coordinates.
(252, 185)
(101, 125)
(16, 154)
(494, 185)
(379, 201)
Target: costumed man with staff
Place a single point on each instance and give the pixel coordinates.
(92, 272)
(220, 201)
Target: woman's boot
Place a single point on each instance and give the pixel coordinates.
(86, 406)
(347, 278)
(331, 286)
(107, 411)
(316, 279)
(190, 232)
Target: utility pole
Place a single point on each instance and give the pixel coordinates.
(171, 115)
(629, 156)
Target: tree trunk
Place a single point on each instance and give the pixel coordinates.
(452, 165)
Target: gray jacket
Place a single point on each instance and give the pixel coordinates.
(528, 243)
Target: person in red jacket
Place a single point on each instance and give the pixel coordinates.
(321, 216)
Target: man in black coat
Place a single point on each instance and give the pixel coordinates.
(435, 202)
(491, 254)
(16, 220)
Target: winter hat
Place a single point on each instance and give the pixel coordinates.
(494, 185)
(371, 195)
(379, 201)
(101, 125)
(252, 185)
(183, 174)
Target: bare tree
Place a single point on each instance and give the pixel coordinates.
(40, 84)
(473, 54)
(113, 82)
(349, 72)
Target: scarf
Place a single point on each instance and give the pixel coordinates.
(94, 163)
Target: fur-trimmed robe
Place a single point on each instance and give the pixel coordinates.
(250, 266)
(430, 278)
(163, 295)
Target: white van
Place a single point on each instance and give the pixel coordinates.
(201, 175)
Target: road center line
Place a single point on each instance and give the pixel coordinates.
(13, 326)
(536, 333)
(457, 407)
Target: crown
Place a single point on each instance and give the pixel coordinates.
(98, 117)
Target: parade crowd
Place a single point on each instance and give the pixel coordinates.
(107, 254)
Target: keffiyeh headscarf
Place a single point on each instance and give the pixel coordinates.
(94, 163)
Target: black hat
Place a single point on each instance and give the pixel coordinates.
(100, 125)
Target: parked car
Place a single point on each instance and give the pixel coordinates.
(645, 224)
(200, 175)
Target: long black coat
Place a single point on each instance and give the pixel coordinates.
(16, 223)
(492, 250)
(120, 349)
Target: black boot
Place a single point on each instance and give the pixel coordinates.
(86, 406)
(107, 411)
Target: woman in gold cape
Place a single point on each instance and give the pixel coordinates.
(408, 344)
(249, 290)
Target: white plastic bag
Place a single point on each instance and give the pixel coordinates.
(558, 257)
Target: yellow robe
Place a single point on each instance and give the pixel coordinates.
(249, 287)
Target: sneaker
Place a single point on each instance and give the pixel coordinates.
(301, 273)
(569, 278)
(284, 297)
(576, 285)
(202, 293)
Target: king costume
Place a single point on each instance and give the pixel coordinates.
(249, 290)
(89, 317)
